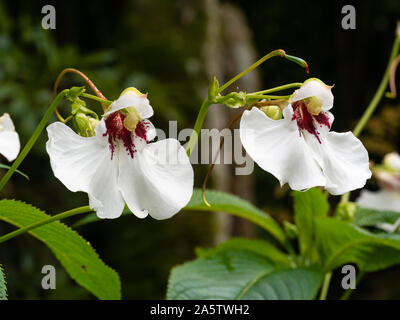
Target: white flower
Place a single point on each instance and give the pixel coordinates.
(118, 165)
(300, 150)
(9, 140)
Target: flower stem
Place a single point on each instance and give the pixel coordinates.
(56, 217)
(263, 96)
(325, 286)
(380, 91)
(280, 88)
(93, 97)
(197, 126)
(33, 138)
(274, 53)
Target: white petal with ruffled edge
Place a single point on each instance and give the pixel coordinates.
(85, 164)
(343, 159)
(158, 181)
(277, 147)
(315, 88)
(131, 99)
(9, 139)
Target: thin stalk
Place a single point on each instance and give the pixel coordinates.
(325, 286)
(197, 126)
(280, 88)
(270, 55)
(33, 138)
(60, 216)
(380, 91)
(93, 97)
(263, 96)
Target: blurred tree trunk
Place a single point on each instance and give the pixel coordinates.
(227, 51)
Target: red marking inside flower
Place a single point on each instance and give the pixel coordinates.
(117, 131)
(306, 121)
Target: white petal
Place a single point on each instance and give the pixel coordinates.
(343, 159)
(157, 181)
(316, 88)
(277, 147)
(6, 123)
(131, 99)
(85, 164)
(9, 140)
(9, 144)
(379, 200)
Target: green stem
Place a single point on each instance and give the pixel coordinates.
(33, 138)
(346, 295)
(274, 53)
(325, 286)
(380, 91)
(280, 88)
(56, 217)
(376, 99)
(263, 96)
(96, 98)
(197, 126)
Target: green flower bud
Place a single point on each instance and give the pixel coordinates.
(273, 112)
(314, 105)
(85, 125)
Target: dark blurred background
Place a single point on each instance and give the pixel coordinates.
(170, 49)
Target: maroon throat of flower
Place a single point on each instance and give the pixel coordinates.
(307, 121)
(117, 132)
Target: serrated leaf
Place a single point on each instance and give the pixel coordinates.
(308, 206)
(221, 201)
(75, 254)
(260, 247)
(3, 288)
(340, 242)
(238, 275)
(365, 217)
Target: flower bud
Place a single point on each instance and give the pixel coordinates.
(273, 112)
(392, 160)
(314, 105)
(85, 125)
(132, 118)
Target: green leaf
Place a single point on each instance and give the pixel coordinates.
(340, 242)
(365, 217)
(224, 202)
(3, 288)
(308, 206)
(75, 254)
(240, 275)
(260, 247)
